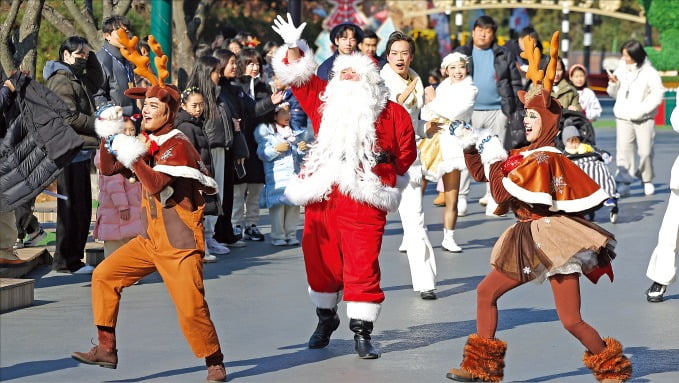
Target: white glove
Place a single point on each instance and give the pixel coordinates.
(114, 112)
(491, 150)
(287, 30)
(109, 121)
(465, 133)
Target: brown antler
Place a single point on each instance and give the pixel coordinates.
(532, 54)
(553, 58)
(160, 60)
(130, 52)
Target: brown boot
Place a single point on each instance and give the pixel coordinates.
(610, 365)
(440, 200)
(216, 373)
(483, 361)
(98, 356)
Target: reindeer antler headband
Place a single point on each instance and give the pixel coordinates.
(131, 53)
(540, 78)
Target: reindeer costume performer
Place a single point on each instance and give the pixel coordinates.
(174, 179)
(550, 239)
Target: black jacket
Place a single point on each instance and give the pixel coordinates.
(193, 129)
(506, 74)
(117, 73)
(37, 143)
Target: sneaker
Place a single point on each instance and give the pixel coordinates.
(209, 258)
(649, 189)
(461, 206)
(610, 202)
(19, 244)
(655, 292)
(238, 231)
(238, 243)
(428, 295)
(35, 238)
(216, 373)
(483, 201)
(215, 247)
(98, 356)
(279, 242)
(87, 269)
(293, 242)
(252, 233)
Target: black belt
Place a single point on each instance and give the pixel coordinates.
(384, 157)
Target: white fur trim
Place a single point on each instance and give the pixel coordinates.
(187, 172)
(363, 310)
(325, 300)
(128, 149)
(106, 128)
(467, 140)
(568, 206)
(298, 72)
(493, 151)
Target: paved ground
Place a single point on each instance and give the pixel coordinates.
(258, 300)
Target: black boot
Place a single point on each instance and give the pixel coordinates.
(328, 321)
(363, 347)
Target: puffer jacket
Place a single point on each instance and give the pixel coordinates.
(193, 129)
(506, 74)
(116, 74)
(117, 193)
(77, 94)
(37, 144)
(637, 93)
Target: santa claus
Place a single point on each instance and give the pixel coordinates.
(364, 143)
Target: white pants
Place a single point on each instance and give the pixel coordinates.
(418, 247)
(218, 159)
(246, 204)
(662, 267)
(284, 220)
(642, 135)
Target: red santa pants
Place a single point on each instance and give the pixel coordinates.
(341, 244)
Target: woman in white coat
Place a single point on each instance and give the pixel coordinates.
(638, 91)
(662, 268)
(453, 104)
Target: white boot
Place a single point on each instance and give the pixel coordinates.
(449, 242)
(461, 205)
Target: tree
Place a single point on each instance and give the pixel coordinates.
(17, 48)
(663, 15)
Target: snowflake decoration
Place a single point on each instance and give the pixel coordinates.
(166, 154)
(538, 245)
(527, 270)
(541, 158)
(546, 219)
(558, 184)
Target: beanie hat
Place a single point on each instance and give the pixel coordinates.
(569, 132)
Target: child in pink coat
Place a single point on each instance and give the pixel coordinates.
(118, 214)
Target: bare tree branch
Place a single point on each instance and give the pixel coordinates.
(58, 21)
(28, 36)
(200, 16)
(121, 7)
(6, 59)
(85, 23)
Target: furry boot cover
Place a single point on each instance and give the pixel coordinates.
(483, 359)
(610, 365)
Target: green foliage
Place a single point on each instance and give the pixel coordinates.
(426, 53)
(664, 16)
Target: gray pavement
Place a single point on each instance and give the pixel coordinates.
(258, 300)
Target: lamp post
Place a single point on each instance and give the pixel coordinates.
(161, 29)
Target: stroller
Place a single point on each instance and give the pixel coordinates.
(594, 164)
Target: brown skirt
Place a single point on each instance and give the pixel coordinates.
(558, 244)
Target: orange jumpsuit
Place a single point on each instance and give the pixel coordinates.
(172, 242)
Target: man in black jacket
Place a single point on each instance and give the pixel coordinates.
(494, 72)
(117, 71)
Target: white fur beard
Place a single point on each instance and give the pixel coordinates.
(347, 132)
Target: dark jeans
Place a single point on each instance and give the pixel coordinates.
(27, 223)
(73, 216)
(223, 227)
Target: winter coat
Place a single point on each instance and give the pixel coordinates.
(255, 111)
(638, 92)
(77, 94)
(567, 95)
(219, 131)
(279, 168)
(117, 73)
(506, 74)
(193, 129)
(37, 144)
(117, 193)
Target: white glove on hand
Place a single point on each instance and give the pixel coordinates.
(287, 30)
(114, 112)
(109, 121)
(491, 150)
(465, 133)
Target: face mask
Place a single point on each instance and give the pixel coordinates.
(79, 65)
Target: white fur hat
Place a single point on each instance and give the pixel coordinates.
(360, 63)
(454, 57)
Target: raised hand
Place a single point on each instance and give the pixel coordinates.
(287, 30)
